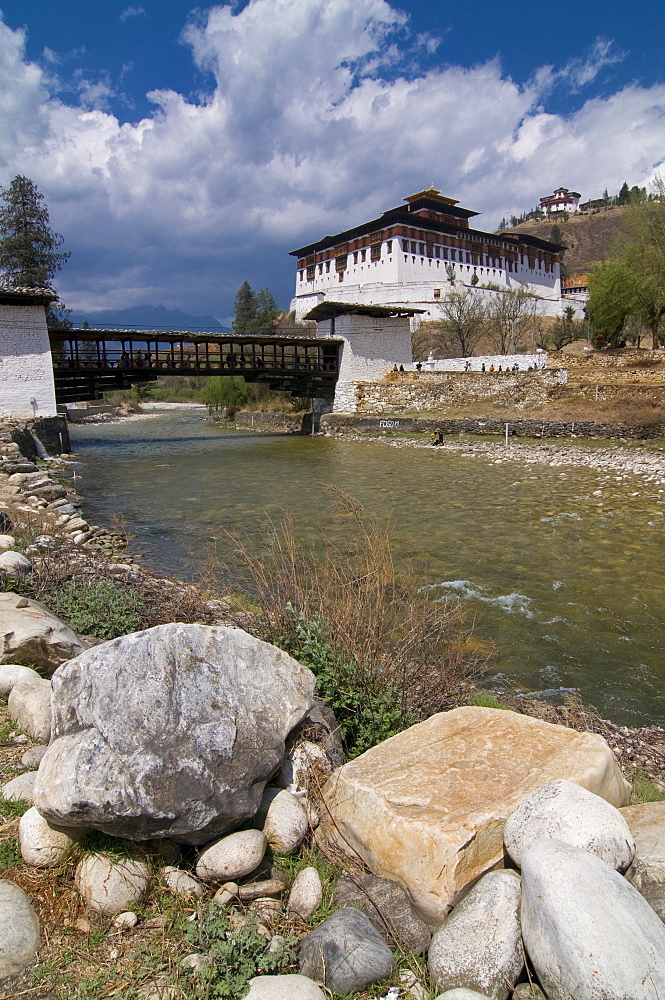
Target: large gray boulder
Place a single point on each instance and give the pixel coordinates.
(587, 931)
(562, 810)
(19, 930)
(31, 635)
(478, 946)
(170, 732)
(345, 953)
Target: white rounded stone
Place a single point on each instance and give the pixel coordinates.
(126, 920)
(111, 886)
(232, 857)
(478, 946)
(44, 845)
(587, 931)
(20, 789)
(306, 894)
(7, 542)
(180, 883)
(286, 823)
(14, 564)
(12, 673)
(19, 930)
(283, 988)
(30, 706)
(33, 756)
(562, 810)
(461, 994)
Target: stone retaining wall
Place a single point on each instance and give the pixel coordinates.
(47, 434)
(348, 425)
(423, 391)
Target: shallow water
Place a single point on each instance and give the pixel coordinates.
(567, 584)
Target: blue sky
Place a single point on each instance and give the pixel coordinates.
(182, 150)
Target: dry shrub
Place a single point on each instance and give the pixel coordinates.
(384, 650)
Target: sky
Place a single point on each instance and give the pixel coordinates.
(182, 150)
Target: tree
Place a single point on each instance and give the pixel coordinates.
(628, 287)
(255, 313)
(464, 320)
(29, 254)
(511, 319)
(226, 392)
(564, 330)
(245, 309)
(624, 194)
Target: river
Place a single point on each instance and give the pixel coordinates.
(566, 582)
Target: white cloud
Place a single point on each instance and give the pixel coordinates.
(309, 126)
(132, 12)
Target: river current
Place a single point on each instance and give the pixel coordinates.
(562, 568)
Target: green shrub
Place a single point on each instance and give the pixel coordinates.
(368, 712)
(483, 699)
(10, 854)
(645, 790)
(102, 608)
(238, 954)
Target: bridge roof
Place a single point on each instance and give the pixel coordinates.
(173, 336)
(24, 296)
(327, 309)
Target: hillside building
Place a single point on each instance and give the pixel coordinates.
(562, 200)
(413, 255)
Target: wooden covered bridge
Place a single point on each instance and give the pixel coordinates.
(87, 363)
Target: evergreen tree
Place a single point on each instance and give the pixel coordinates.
(245, 309)
(624, 194)
(255, 312)
(29, 254)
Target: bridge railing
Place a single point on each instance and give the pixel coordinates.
(85, 351)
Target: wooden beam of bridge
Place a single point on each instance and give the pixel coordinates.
(87, 363)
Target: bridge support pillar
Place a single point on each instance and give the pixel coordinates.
(27, 388)
(371, 346)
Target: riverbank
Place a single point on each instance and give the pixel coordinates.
(93, 553)
(637, 458)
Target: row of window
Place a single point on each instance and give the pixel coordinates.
(424, 250)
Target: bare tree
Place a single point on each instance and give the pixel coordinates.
(464, 320)
(511, 319)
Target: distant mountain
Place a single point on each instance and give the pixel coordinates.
(146, 318)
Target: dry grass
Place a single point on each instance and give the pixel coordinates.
(397, 636)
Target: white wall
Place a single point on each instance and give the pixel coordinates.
(26, 370)
(372, 345)
(505, 361)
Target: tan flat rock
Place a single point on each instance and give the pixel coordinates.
(427, 807)
(647, 825)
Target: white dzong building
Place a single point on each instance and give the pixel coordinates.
(562, 200)
(413, 255)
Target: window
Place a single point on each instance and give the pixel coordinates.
(375, 251)
(422, 249)
(310, 273)
(327, 267)
(362, 254)
(437, 293)
(389, 246)
(355, 257)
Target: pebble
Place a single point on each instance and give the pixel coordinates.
(126, 920)
(180, 883)
(306, 894)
